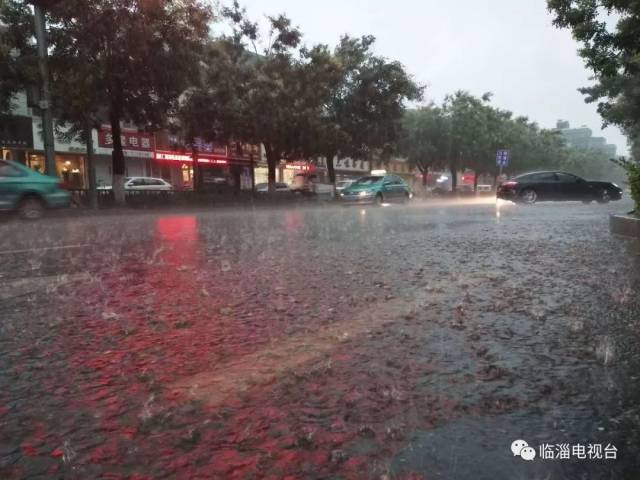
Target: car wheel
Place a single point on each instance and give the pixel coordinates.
(604, 196)
(31, 208)
(529, 196)
(379, 199)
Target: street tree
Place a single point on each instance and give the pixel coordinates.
(362, 115)
(137, 58)
(18, 60)
(258, 100)
(608, 31)
(425, 139)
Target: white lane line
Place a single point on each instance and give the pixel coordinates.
(44, 249)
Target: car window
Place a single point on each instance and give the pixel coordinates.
(137, 182)
(539, 177)
(7, 170)
(368, 180)
(566, 178)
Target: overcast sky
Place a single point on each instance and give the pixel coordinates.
(508, 47)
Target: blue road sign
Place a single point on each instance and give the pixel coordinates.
(502, 158)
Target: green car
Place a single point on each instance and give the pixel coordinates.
(29, 193)
(377, 189)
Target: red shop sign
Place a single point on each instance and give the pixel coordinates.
(186, 157)
(131, 139)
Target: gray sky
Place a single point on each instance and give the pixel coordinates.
(508, 47)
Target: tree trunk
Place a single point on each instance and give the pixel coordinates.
(197, 178)
(454, 178)
(273, 157)
(475, 182)
(117, 157)
(91, 168)
(332, 171)
(253, 174)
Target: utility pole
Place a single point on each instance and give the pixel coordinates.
(45, 102)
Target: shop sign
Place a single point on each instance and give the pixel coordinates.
(16, 132)
(135, 144)
(185, 157)
(130, 139)
(347, 164)
(209, 147)
(301, 166)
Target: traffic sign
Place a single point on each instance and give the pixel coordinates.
(502, 158)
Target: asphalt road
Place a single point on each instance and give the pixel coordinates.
(411, 341)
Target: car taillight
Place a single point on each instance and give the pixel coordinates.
(509, 184)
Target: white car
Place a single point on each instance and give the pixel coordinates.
(280, 187)
(147, 184)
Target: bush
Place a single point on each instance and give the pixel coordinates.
(633, 172)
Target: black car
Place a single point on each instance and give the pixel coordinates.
(556, 186)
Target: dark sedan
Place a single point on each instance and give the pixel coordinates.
(557, 186)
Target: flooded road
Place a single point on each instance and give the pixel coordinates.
(386, 343)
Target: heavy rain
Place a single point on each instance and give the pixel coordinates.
(399, 242)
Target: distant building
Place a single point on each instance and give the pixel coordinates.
(582, 139)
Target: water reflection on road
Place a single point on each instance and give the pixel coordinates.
(337, 342)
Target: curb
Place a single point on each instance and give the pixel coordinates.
(626, 225)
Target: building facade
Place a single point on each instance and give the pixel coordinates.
(582, 139)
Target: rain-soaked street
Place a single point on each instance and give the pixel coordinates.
(320, 342)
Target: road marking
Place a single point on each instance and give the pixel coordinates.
(44, 249)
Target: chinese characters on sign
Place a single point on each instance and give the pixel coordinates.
(502, 158)
(130, 139)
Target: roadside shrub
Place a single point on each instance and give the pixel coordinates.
(633, 172)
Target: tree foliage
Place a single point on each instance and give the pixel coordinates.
(466, 131)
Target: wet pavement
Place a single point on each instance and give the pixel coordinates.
(403, 342)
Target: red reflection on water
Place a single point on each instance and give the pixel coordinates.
(293, 221)
(178, 239)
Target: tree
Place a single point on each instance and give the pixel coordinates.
(260, 100)
(137, 58)
(467, 132)
(18, 61)
(425, 139)
(610, 52)
(364, 109)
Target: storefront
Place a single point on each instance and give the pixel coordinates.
(16, 138)
(221, 170)
(137, 146)
(69, 167)
(291, 169)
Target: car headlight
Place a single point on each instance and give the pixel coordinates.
(341, 194)
(364, 193)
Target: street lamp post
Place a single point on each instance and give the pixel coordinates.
(45, 102)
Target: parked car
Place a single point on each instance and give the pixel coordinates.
(342, 184)
(309, 183)
(142, 184)
(484, 189)
(29, 193)
(147, 184)
(377, 189)
(279, 186)
(556, 186)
